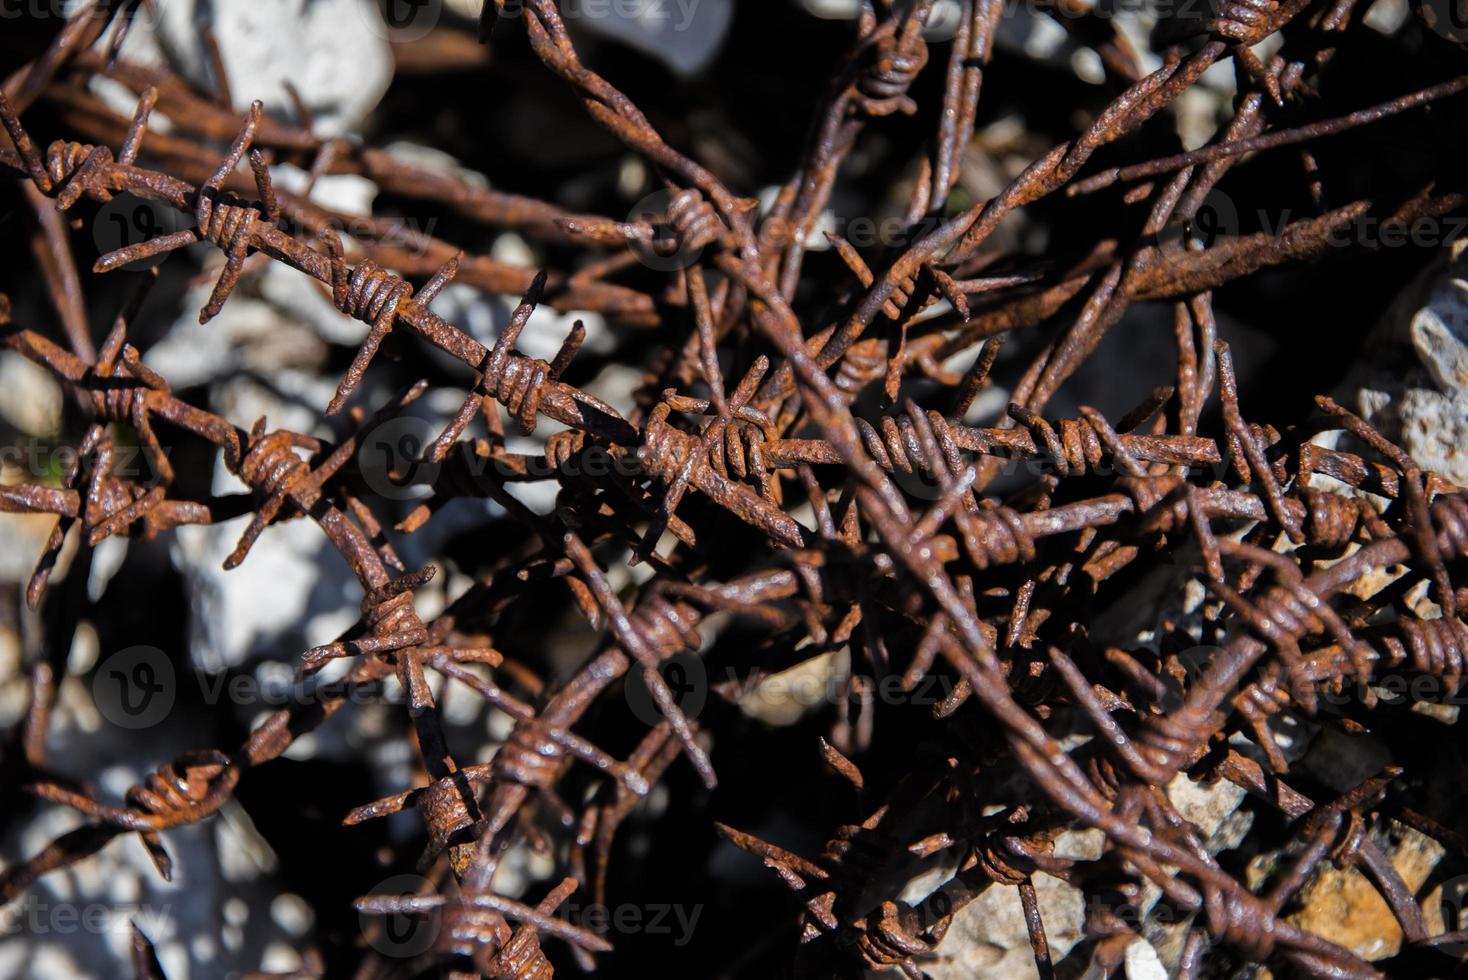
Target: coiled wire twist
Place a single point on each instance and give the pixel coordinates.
(177, 793)
(1080, 445)
(1331, 519)
(1245, 22)
(1235, 917)
(518, 383)
(666, 450)
(72, 169)
(116, 402)
(885, 942)
(391, 625)
(79, 167)
(270, 466)
(897, 59)
(694, 221)
(670, 626)
(999, 862)
(865, 362)
(894, 444)
(185, 790)
(529, 757)
(1450, 523)
(368, 293)
(471, 931)
(738, 452)
(226, 222)
(1436, 647)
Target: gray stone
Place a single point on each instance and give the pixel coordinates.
(333, 52)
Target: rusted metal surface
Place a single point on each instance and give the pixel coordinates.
(792, 507)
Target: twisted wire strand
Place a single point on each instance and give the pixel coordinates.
(897, 58)
(694, 221)
(177, 793)
(388, 612)
(1434, 647)
(391, 624)
(1246, 22)
(738, 452)
(529, 757)
(885, 941)
(864, 363)
(78, 169)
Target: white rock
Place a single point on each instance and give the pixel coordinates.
(283, 573)
(1434, 430)
(988, 937)
(434, 160)
(1438, 333)
(333, 52)
(107, 559)
(292, 571)
(249, 334)
(292, 913)
(685, 35)
(943, 21)
(1204, 806)
(280, 958)
(22, 537)
(1412, 378)
(1141, 962)
(30, 398)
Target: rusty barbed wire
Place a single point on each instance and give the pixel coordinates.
(783, 498)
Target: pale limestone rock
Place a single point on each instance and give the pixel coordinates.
(1141, 962)
(30, 397)
(291, 571)
(786, 697)
(334, 52)
(1412, 378)
(988, 937)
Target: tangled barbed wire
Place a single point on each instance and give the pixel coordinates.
(809, 504)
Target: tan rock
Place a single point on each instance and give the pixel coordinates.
(1344, 907)
(989, 939)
